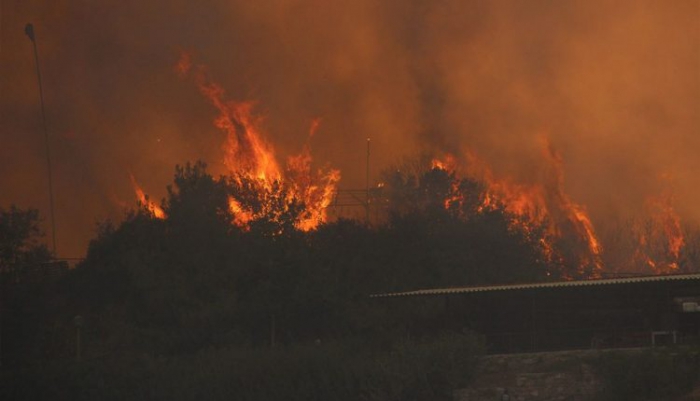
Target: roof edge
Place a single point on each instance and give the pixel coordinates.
(556, 284)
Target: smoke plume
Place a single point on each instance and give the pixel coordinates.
(613, 86)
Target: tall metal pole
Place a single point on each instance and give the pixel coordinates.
(29, 30)
(367, 185)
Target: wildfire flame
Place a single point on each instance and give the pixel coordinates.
(661, 240)
(658, 239)
(541, 208)
(536, 205)
(248, 155)
(155, 210)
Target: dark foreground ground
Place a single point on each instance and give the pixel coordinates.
(589, 375)
(449, 368)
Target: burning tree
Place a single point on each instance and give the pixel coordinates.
(543, 214)
(261, 190)
(651, 241)
(253, 167)
(430, 196)
(264, 192)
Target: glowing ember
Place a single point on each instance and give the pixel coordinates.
(155, 210)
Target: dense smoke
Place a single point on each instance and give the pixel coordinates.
(613, 86)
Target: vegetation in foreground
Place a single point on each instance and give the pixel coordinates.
(410, 370)
(649, 375)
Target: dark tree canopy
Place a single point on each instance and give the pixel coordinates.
(196, 263)
(20, 240)
(195, 279)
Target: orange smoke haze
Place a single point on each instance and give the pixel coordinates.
(614, 84)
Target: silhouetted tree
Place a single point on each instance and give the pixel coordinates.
(20, 241)
(196, 279)
(26, 284)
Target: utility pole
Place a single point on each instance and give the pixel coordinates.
(367, 185)
(29, 30)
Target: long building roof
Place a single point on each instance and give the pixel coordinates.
(557, 284)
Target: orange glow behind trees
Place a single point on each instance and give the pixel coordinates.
(569, 237)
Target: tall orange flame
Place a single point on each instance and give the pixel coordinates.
(536, 205)
(155, 210)
(661, 239)
(247, 154)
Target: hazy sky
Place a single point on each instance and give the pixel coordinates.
(614, 85)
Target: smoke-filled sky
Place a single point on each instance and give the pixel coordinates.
(614, 86)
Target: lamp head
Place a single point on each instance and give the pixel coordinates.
(29, 30)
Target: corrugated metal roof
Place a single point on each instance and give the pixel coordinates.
(511, 287)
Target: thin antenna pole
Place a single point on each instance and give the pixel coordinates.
(367, 185)
(29, 30)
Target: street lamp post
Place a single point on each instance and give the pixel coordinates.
(29, 30)
(367, 185)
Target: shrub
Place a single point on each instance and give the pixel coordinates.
(413, 370)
